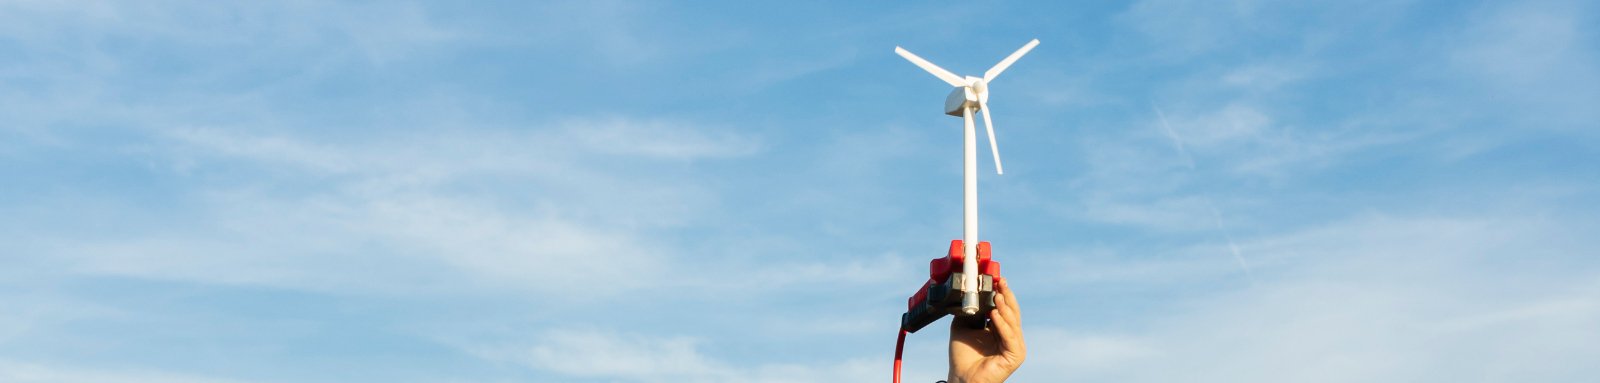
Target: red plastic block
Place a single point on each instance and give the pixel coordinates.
(939, 269)
(921, 295)
(992, 268)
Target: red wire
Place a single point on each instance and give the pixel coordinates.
(899, 347)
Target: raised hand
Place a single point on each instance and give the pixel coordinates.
(989, 355)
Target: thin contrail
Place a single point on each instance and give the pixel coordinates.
(1216, 215)
(1177, 142)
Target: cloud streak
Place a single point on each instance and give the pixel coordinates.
(590, 354)
(1368, 298)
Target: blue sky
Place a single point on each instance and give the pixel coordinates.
(746, 192)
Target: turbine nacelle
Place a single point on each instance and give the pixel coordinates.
(960, 101)
(974, 95)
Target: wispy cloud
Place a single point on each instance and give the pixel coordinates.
(1537, 56)
(1233, 248)
(23, 372)
(1373, 297)
(1177, 142)
(580, 353)
(397, 190)
(657, 139)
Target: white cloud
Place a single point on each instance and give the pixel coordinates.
(657, 139)
(1539, 58)
(420, 243)
(1240, 139)
(1161, 213)
(629, 37)
(1085, 354)
(393, 202)
(1372, 298)
(581, 353)
(1264, 76)
(268, 193)
(601, 355)
(29, 313)
(559, 150)
(23, 372)
(373, 33)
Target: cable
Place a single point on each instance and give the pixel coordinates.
(899, 347)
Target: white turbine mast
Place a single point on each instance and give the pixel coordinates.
(971, 93)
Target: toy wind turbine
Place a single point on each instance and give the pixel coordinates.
(971, 94)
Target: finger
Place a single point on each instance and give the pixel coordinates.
(1008, 334)
(998, 318)
(1008, 315)
(1011, 335)
(1005, 290)
(1014, 311)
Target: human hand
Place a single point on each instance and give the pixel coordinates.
(989, 355)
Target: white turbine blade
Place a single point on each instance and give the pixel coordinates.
(1001, 67)
(993, 148)
(942, 74)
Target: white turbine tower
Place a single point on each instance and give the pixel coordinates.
(971, 93)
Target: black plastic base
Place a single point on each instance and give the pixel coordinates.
(945, 299)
